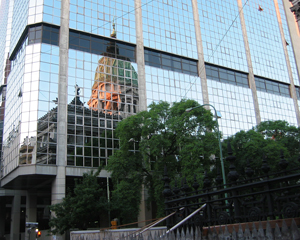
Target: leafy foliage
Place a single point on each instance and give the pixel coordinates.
(81, 208)
(164, 135)
(267, 139)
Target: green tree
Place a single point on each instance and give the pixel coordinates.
(165, 135)
(82, 207)
(267, 139)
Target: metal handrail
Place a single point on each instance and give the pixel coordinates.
(158, 221)
(182, 221)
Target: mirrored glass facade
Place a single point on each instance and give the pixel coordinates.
(102, 90)
(51, 11)
(96, 17)
(222, 37)
(267, 53)
(71, 72)
(102, 69)
(288, 43)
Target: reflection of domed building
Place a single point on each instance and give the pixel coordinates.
(116, 86)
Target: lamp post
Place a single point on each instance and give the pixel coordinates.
(217, 115)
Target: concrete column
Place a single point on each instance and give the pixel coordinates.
(140, 58)
(2, 216)
(294, 30)
(145, 214)
(288, 64)
(31, 211)
(31, 206)
(249, 63)
(58, 188)
(15, 217)
(201, 63)
(59, 184)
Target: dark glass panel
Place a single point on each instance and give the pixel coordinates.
(260, 84)
(47, 41)
(223, 75)
(46, 33)
(208, 71)
(31, 35)
(176, 64)
(275, 88)
(153, 64)
(194, 69)
(284, 90)
(46, 28)
(38, 34)
(54, 36)
(155, 54)
(185, 61)
(88, 161)
(96, 162)
(169, 68)
(97, 47)
(86, 37)
(231, 78)
(146, 58)
(163, 55)
(215, 74)
(185, 66)
(166, 62)
(155, 60)
(84, 43)
(56, 30)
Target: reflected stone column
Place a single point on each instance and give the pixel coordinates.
(249, 63)
(59, 183)
(15, 216)
(2, 216)
(201, 63)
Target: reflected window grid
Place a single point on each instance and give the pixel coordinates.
(169, 26)
(90, 127)
(274, 107)
(221, 33)
(13, 113)
(97, 18)
(5, 33)
(289, 45)
(266, 49)
(171, 86)
(235, 104)
(35, 12)
(52, 11)
(20, 10)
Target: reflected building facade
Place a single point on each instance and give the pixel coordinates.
(69, 75)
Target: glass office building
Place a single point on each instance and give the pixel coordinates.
(70, 70)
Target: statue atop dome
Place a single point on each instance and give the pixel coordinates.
(114, 33)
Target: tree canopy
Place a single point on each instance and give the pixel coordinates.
(80, 208)
(165, 135)
(267, 140)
